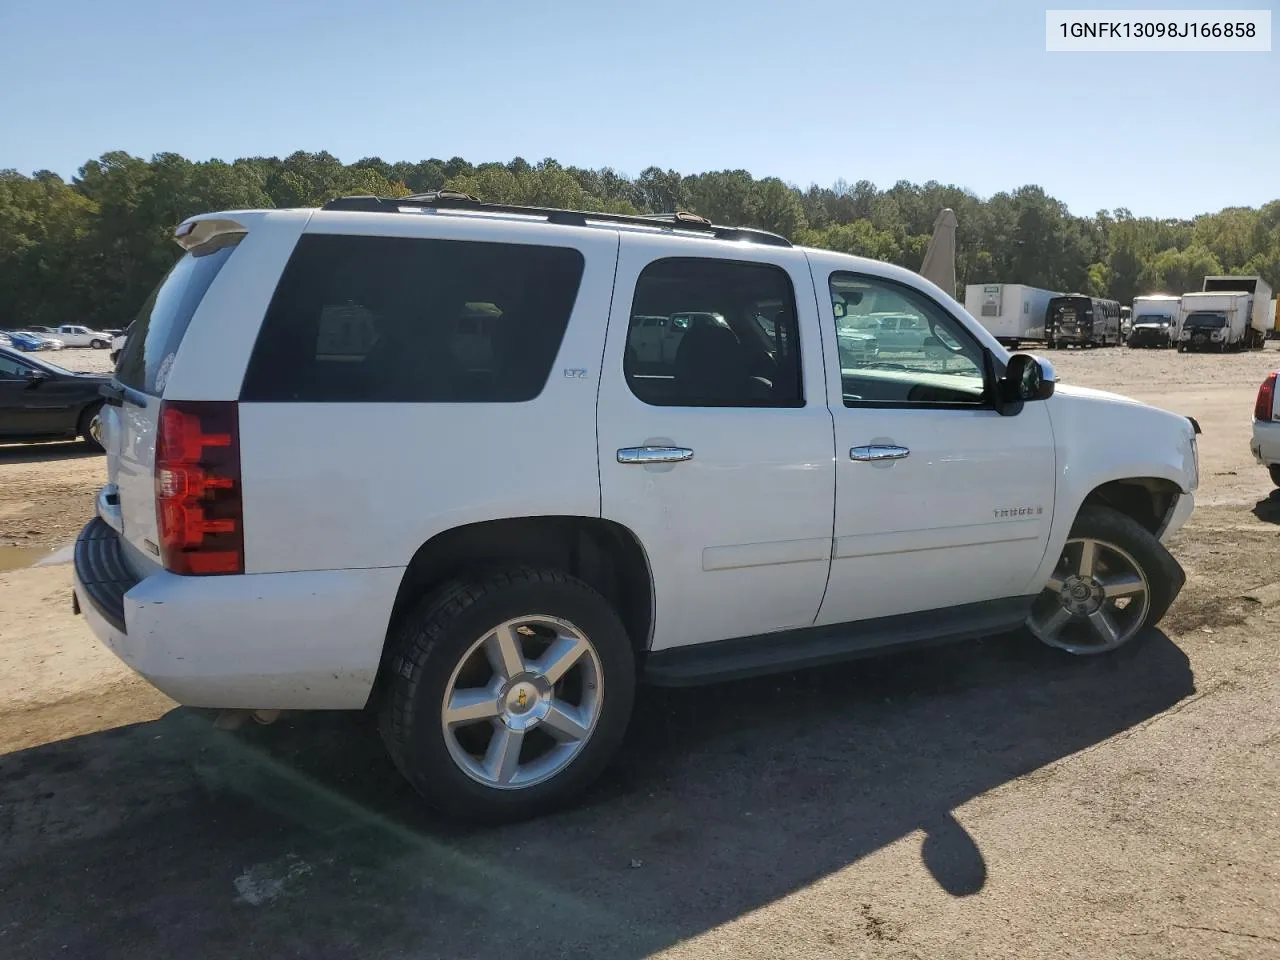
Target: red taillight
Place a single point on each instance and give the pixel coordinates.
(199, 509)
(1266, 398)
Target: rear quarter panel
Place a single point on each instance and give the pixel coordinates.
(359, 485)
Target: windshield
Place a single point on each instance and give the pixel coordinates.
(1154, 318)
(1211, 321)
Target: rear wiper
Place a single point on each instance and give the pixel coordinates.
(116, 393)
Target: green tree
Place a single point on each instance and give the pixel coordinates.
(91, 249)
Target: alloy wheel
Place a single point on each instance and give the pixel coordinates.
(1096, 600)
(522, 702)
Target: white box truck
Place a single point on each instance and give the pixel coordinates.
(1013, 312)
(1261, 314)
(1155, 321)
(1215, 321)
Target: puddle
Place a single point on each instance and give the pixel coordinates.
(11, 558)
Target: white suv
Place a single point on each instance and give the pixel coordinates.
(397, 454)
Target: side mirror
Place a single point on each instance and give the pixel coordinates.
(1026, 379)
(35, 378)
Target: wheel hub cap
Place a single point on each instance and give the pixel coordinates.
(1081, 596)
(525, 701)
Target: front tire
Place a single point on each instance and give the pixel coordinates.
(1274, 470)
(1113, 581)
(99, 344)
(508, 695)
(89, 427)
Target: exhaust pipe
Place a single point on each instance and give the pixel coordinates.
(234, 719)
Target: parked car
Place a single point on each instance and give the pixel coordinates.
(893, 332)
(42, 341)
(42, 401)
(26, 342)
(74, 335)
(117, 344)
(490, 548)
(856, 347)
(1266, 428)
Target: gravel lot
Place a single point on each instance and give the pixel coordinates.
(986, 800)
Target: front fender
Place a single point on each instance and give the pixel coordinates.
(1101, 437)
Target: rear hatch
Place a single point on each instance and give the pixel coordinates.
(132, 413)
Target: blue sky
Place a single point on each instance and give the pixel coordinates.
(807, 90)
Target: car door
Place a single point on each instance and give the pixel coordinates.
(940, 500)
(30, 408)
(719, 461)
(14, 421)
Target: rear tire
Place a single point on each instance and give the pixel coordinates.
(482, 643)
(1113, 581)
(87, 427)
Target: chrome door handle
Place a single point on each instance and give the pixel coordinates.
(878, 451)
(654, 454)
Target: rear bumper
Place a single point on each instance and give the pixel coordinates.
(289, 641)
(1265, 444)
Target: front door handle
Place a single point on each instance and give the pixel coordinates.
(878, 451)
(654, 454)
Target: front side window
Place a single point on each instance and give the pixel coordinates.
(898, 347)
(398, 320)
(11, 369)
(731, 339)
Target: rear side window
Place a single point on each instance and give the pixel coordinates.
(731, 341)
(162, 322)
(395, 320)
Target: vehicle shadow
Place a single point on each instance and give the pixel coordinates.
(49, 450)
(1268, 508)
(301, 838)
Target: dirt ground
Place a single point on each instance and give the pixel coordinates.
(985, 800)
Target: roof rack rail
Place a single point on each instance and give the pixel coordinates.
(452, 200)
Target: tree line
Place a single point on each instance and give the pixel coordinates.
(90, 251)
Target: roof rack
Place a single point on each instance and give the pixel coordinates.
(450, 200)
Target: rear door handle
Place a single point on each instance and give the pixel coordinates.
(654, 454)
(878, 451)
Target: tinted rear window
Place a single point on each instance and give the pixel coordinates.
(162, 322)
(394, 320)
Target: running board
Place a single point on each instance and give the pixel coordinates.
(814, 646)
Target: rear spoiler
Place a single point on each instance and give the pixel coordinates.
(196, 233)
